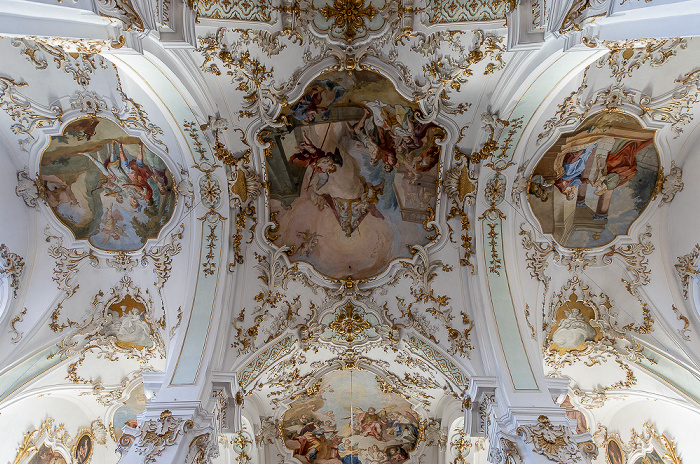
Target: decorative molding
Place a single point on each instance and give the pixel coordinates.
(27, 114)
(17, 319)
(672, 184)
(67, 262)
(269, 431)
(122, 10)
(628, 55)
(434, 435)
(421, 271)
(162, 257)
(552, 441)
(100, 332)
(122, 262)
(79, 65)
(687, 268)
(686, 323)
(156, 435)
(455, 11)
(671, 108)
(635, 259)
(185, 189)
(27, 188)
(537, 256)
(133, 116)
(12, 266)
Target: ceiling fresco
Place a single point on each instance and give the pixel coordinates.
(349, 231)
(352, 175)
(350, 419)
(106, 186)
(593, 183)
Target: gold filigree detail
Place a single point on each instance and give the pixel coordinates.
(635, 258)
(626, 56)
(67, 262)
(552, 441)
(15, 320)
(349, 16)
(79, 65)
(687, 268)
(26, 114)
(155, 435)
(349, 324)
(12, 266)
(686, 323)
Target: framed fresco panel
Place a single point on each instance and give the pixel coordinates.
(105, 185)
(593, 183)
(350, 421)
(613, 452)
(82, 452)
(352, 175)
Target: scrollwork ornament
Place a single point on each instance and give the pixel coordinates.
(27, 188)
(672, 184)
(27, 114)
(635, 259)
(17, 336)
(156, 435)
(12, 266)
(551, 441)
(626, 56)
(67, 262)
(687, 268)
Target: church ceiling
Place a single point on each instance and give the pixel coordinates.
(348, 231)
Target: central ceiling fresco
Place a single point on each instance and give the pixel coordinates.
(352, 174)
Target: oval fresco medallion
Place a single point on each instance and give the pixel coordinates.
(593, 183)
(106, 186)
(352, 175)
(349, 420)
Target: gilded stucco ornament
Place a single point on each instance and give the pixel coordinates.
(12, 266)
(17, 335)
(648, 444)
(26, 114)
(686, 323)
(268, 433)
(553, 441)
(629, 55)
(438, 12)
(421, 272)
(687, 268)
(55, 439)
(156, 435)
(79, 65)
(672, 108)
(67, 262)
(672, 184)
(634, 257)
(27, 188)
(122, 324)
(185, 189)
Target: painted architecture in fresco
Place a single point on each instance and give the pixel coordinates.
(352, 174)
(350, 421)
(106, 186)
(594, 182)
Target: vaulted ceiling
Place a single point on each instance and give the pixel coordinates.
(430, 231)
